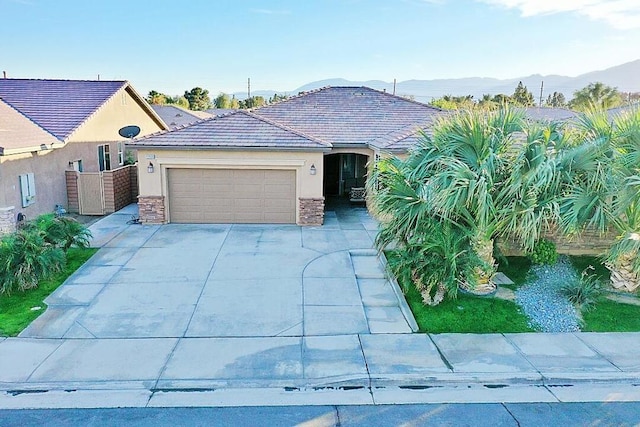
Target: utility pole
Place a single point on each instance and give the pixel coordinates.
(394, 86)
(249, 88)
(541, 87)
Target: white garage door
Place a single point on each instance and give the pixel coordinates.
(232, 196)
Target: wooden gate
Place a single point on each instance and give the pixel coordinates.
(101, 193)
(91, 193)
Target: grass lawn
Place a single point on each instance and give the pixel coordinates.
(610, 316)
(469, 314)
(516, 268)
(15, 310)
(580, 263)
(466, 313)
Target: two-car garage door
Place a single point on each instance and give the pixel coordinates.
(232, 196)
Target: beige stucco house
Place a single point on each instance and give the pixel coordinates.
(275, 164)
(48, 127)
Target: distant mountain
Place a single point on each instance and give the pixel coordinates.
(625, 77)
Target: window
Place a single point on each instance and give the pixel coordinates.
(77, 165)
(121, 153)
(104, 158)
(27, 189)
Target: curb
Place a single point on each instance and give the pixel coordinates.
(404, 306)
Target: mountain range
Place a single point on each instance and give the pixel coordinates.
(625, 77)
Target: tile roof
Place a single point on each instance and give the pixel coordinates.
(19, 134)
(403, 139)
(176, 117)
(620, 111)
(59, 106)
(242, 130)
(348, 116)
(548, 114)
(220, 111)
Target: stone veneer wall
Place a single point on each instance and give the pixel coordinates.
(151, 209)
(590, 242)
(117, 188)
(7, 220)
(311, 211)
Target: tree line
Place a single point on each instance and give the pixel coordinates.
(594, 95)
(198, 99)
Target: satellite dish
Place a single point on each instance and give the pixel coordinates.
(130, 131)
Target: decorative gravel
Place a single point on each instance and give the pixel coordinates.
(541, 300)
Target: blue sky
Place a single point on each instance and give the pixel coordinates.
(172, 46)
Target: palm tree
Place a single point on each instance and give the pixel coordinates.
(603, 192)
(488, 174)
(595, 96)
(529, 197)
(433, 255)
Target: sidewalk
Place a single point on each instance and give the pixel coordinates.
(347, 369)
(358, 369)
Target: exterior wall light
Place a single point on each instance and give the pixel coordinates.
(150, 168)
(312, 169)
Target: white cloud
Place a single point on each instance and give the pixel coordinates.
(620, 14)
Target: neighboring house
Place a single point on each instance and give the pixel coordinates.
(48, 127)
(220, 111)
(620, 111)
(548, 114)
(276, 163)
(176, 117)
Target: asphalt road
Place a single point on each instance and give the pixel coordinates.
(522, 414)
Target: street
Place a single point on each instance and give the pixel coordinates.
(493, 414)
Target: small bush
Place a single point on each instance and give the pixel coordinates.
(26, 258)
(583, 292)
(435, 261)
(37, 251)
(544, 252)
(63, 232)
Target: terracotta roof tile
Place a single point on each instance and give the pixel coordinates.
(348, 116)
(175, 116)
(241, 129)
(620, 111)
(548, 114)
(58, 106)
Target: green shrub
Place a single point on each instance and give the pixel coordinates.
(435, 260)
(583, 292)
(544, 252)
(26, 258)
(62, 232)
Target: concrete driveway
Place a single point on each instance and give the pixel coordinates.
(184, 315)
(181, 280)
